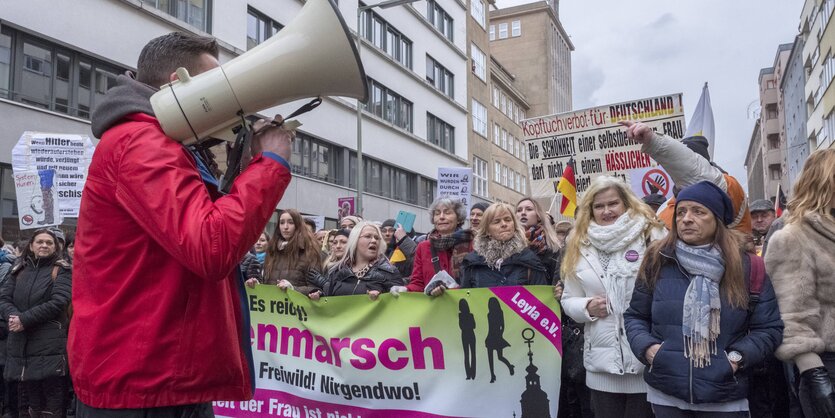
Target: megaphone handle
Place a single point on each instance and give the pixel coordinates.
(242, 142)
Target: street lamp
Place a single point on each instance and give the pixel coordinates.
(360, 172)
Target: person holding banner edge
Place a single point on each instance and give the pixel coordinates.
(364, 269)
(174, 244)
(501, 256)
(443, 250)
(603, 253)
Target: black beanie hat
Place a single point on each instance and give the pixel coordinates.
(344, 232)
(388, 223)
(480, 206)
(699, 145)
(712, 197)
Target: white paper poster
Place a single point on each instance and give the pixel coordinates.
(36, 199)
(68, 154)
(456, 182)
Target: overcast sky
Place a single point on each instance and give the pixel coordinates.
(641, 48)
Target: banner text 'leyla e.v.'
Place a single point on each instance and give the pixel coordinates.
(468, 353)
(599, 146)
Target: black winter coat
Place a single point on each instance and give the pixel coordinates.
(40, 350)
(408, 246)
(381, 277)
(654, 317)
(552, 261)
(520, 269)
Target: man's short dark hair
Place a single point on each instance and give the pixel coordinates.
(163, 55)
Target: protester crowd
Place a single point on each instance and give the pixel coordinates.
(668, 308)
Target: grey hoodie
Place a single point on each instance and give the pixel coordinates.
(128, 97)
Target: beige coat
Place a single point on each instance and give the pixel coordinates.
(801, 263)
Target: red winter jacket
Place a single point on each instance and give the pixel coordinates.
(424, 270)
(157, 314)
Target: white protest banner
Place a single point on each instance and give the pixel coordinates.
(36, 198)
(596, 141)
(456, 182)
(68, 154)
(651, 180)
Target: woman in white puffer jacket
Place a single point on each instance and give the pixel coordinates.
(603, 254)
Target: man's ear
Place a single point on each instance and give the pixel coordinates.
(173, 77)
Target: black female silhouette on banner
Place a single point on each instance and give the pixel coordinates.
(466, 321)
(495, 341)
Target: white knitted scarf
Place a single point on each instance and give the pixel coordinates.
(626, 243)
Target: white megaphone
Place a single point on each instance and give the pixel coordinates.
(312, 56)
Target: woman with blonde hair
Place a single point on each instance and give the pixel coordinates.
(337, 250)
(541, 236)
(364, 268)
(501, 256)
(602, 258)
(293, 257)
(801, 262)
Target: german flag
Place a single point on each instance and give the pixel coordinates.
(779, 201)
(568, 188)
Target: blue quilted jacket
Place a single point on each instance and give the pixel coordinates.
(654, 317)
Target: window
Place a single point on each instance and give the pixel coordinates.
(497, 139)
(497, 175)
(516, 28)
(439, 18)
(439, 77)
(259, 28)
(389, 181)
(496, 95)
(502, 30)
(479, 62)
(769, 84)
(827, 131)
(518, 183)
(480, 176)
(317, 159)
(440, 133)
(5, 64)
(504, 139)
(504, 175)
(384, 36)
(477, 10)
(193, 12)
(479, 118)
(492, 32)
(774, 170)
(511, 177)
(45, 75)
(771, 111)
(428, 195)
(773, 141)
(524, 185)
(389, 105)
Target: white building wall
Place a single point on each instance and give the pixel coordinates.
(115, 31)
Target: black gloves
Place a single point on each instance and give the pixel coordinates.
(816, 393)
(316, 278)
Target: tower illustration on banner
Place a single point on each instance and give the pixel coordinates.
(534, 400)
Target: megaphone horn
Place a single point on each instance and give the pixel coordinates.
(313, 56)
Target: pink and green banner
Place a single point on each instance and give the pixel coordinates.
(468, 353)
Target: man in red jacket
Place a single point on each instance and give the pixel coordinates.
(159, 326)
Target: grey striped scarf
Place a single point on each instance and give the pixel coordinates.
(702, 305)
